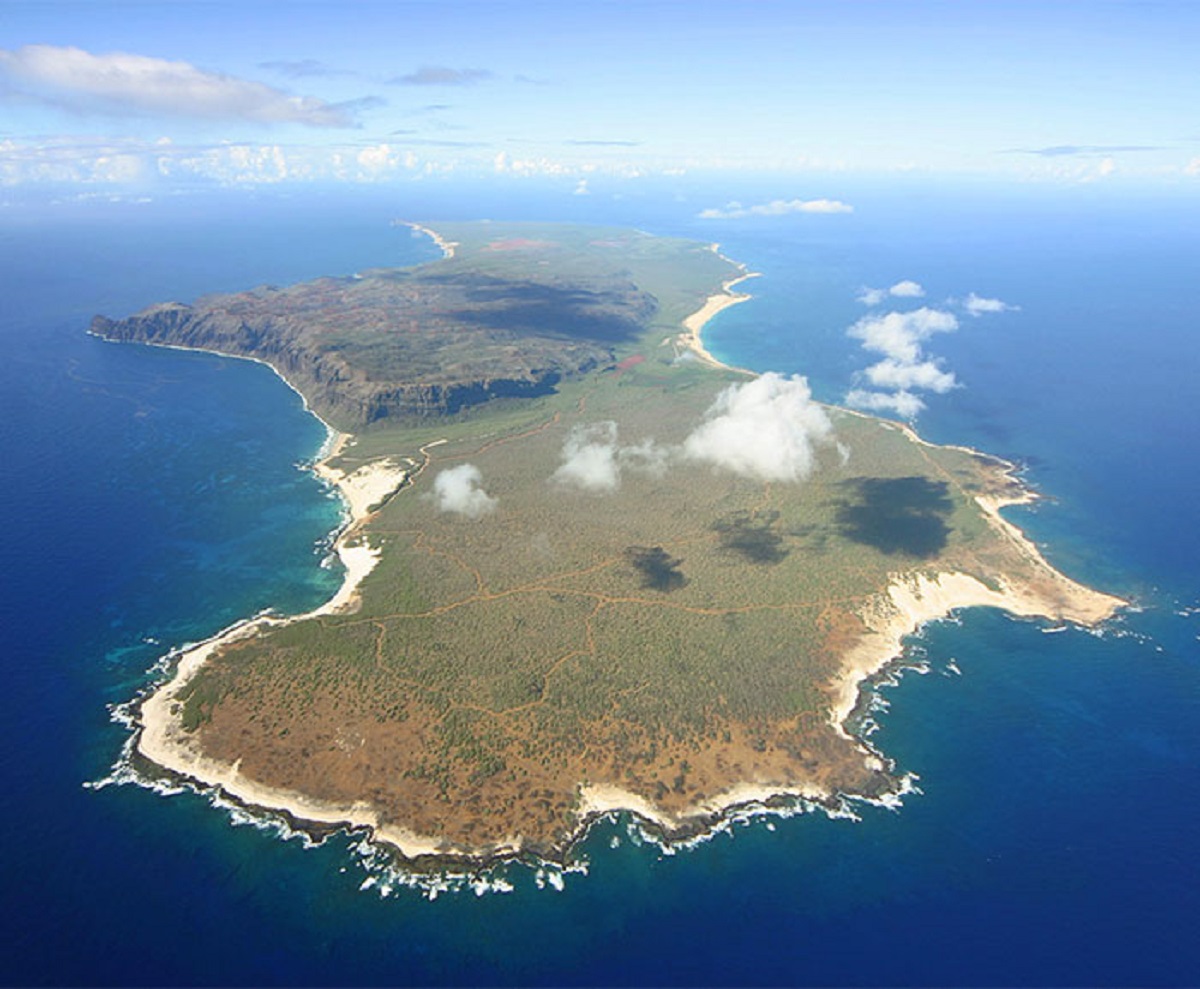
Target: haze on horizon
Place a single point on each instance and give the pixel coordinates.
(148, 97)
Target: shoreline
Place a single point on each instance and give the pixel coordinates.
(905, 605)
(693, 325)
(160, 736)
(911, 602)
(601, 800)
(447, 246)
(161, 740)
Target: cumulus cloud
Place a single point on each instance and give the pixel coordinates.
(899, 334)
(122, 83)
(767, 429)
(590, 458)
(977, 305)
(383, 160)
(926, 375)
(906, 289)
(441, 75)
(593, 459)
(459, 490)
(902, 403)
(900, 338)
(777, 207)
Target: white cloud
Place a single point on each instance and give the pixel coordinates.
(1192, 167)
(590, 458)
(977, 306)
(383, 161)
(906, 289)
(899, 334)
(503, 164)
(89, 160)
(124, 83)
(927, 375)
(902, 403)
(458, 490)
(594, 461)
(80, 159)
(767, 429)
(777, 207)
(232, 164)
(377, 158)
(76, 160)
(118, 168)
(899, 337)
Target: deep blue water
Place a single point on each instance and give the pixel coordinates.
(152, 498)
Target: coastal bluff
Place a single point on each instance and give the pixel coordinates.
(648, 583)
(398, 345)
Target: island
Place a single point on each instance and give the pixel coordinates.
(588, 568)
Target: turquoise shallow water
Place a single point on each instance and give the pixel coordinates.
(153, 497)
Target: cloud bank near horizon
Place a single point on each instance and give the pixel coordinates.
(776, 207)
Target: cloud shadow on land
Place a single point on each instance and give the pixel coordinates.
(752, 535)
(896, 515)
(660, 571)
(611, 313)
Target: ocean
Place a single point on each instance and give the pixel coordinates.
(154, 497)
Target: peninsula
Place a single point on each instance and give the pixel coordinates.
(588, 567)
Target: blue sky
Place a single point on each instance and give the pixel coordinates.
(150, 94)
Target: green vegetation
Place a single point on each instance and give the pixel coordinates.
(512, 316)
(670, 627)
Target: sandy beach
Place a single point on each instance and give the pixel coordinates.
(367, 487)
(164, 741)
(693, 325)
(600, 800)
(913, 600)
(447, 246)
(910, 601)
